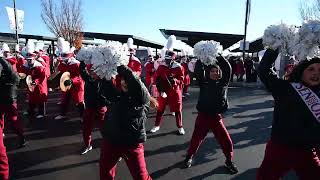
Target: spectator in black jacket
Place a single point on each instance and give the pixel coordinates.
(95, 107)
(295, 135)
(8, 100)
(4, 166)
(213, 81)
(124, 130)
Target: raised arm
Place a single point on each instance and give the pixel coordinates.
(226, 70)
(135, 87)
(269, 77)
(83, 72)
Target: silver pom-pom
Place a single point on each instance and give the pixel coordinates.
(279, 36)
(207, 51)
(307, 41)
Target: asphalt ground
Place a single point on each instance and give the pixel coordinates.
(54, 146)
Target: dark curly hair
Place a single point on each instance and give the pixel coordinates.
(297, 71)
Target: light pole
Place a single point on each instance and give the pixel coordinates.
(245, 29)
(16, 21)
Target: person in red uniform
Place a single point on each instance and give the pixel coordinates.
(40, 53)
(149, 69)
(186, 80)
(8, 56)
(134, 62)
(8, 103)
(295, 134)
(38, 96)
(76, 93)
(95, 102)
(124, 128)
(169, 80)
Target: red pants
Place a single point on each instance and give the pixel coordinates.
(279, 159)
(203, 124)
(133, 155)
(89, 116)
(4, 166)
(11, 111)
(162, 105)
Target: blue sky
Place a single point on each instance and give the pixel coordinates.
(144, 18)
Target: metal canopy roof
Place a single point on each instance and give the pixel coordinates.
(26, 36)
(254, 46)
(191, 37)
(123, 39)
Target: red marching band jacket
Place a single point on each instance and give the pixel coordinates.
(186, 80)
(172, 89)
(77, 88)
(38, 74)
(149, 69)
(135, 65)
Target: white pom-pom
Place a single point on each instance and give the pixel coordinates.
(130, 43)
(307, 41)
(85, 54)
(279, 36)
(207, 51)
(170, 42)
(107, 57)
(5, 47)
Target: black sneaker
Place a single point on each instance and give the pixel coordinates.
(188, 161)
(232, 168)
(22, 142)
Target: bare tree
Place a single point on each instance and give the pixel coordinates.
(310, 10)
(65, 21)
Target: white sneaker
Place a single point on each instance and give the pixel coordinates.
(60, 117)
(173, 113)
(86, 150)
(58, 103)
(39, 116)
(50, 89)
(181, 131)
(155, 129)
(26, 113)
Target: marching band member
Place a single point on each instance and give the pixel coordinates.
(95, 108)
(38, 90)
(213, 78)
(134, 62)
(8, 104)
(76, 92)
(149, 69)
(41, 54)
(186, 79)
(169, 80)
(8, 56)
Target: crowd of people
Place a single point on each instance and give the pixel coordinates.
(294, 142)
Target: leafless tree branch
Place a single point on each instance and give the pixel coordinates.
(64, 20)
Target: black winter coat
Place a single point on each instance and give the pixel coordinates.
(8, 83)
(92, 89)
(293, 123)
(213, 94)
(127, 111)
